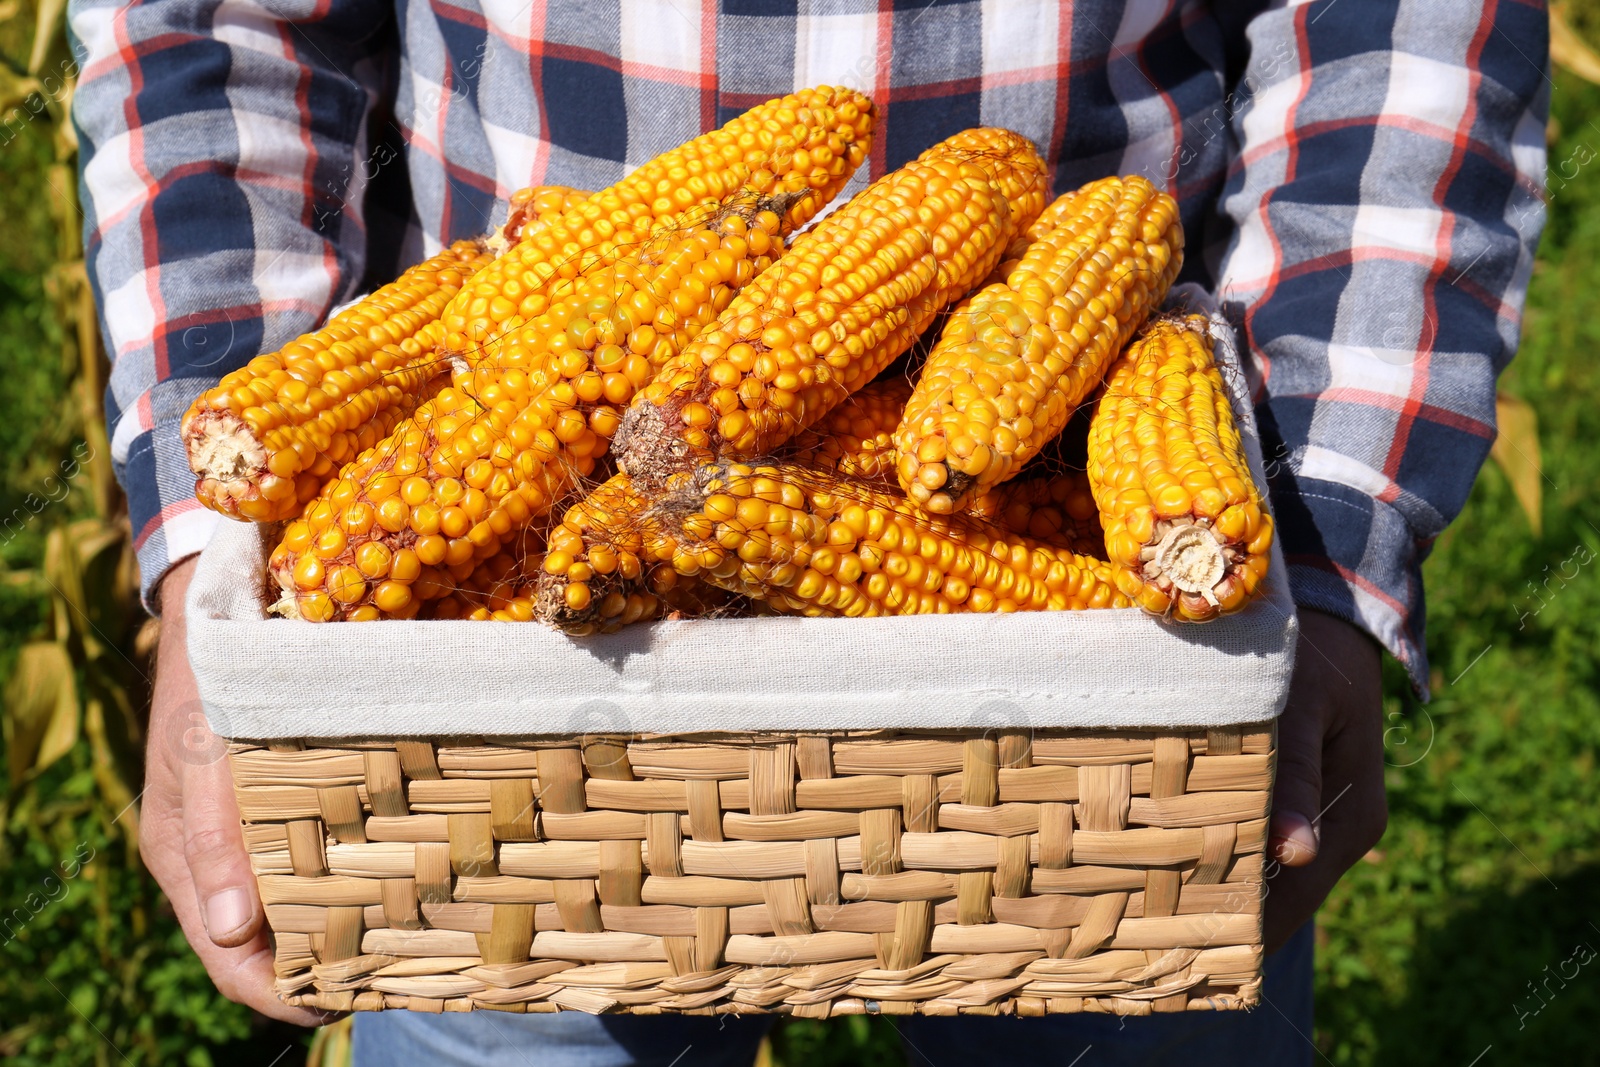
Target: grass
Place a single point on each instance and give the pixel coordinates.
(1468, 936)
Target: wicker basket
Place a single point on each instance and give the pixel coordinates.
(1073, 820)
(894, 871)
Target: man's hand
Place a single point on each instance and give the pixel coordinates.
(190, 836)
(1328, 807)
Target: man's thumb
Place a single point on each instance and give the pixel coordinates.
(213, 845)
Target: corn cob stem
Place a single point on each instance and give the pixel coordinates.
(852, 294)
(1186, 527)
(807, 143)
(266, 438)
(1017, 357)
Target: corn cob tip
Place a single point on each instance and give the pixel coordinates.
(529, 210)
(649, 444)
(286, 606)
(938, 488)
(596, 605)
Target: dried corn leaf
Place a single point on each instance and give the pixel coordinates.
(41, 717)
(1516, 451)
(1569, 50)
(47, 23)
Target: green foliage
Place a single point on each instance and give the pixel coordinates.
(92, 962)
(853, 1041)
(1471, 927)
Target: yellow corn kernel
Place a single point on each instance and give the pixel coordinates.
(1056, 508)
(1017, 357)
(1185, 524)
(491, 585)
(802, 147)
(851, 294)
(265, 440)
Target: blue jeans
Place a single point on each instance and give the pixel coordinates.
(1278, 1033)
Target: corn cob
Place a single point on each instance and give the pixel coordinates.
(809, 542)
(533, 208)
(809, 142)
(473, 477)
(385, 551)
(270, 434)
(852, 294)
(1017, 357)
(857, 437)
(1185, 525)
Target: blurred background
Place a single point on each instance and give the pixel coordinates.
(1468, 937)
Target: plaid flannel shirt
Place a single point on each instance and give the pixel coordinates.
(1361, 185)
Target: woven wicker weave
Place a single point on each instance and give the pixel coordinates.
(941, 873)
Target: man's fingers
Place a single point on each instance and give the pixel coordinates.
(245, 975)
(1357, 810)
(1330, 770)
(1295, 841)
(1297, 795)
(190, 837)
(213, 845)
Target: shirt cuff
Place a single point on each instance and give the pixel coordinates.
(1355, 558)
(169, 524)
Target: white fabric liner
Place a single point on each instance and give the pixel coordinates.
(264, 678)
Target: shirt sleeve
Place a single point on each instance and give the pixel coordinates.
(1386, 201)
(224, 157)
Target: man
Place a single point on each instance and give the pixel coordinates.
(1360, 185)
